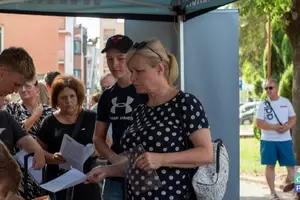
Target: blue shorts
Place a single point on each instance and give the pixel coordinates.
(273, 151)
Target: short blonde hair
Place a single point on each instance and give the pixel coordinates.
(156, 53)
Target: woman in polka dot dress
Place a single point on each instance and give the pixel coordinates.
(161, 127)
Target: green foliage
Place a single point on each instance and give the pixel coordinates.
(286, 84)
(252, 39)
(275, 8)
(277, 66)
(263, 97)
(258, 88)
(286, 52)
(249, 72)
(256, 131)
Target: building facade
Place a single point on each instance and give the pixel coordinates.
(108, 28)
(54, 43)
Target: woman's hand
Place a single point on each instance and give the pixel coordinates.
(96, 175)
(149, 161)
(58, 158)
(38, 111)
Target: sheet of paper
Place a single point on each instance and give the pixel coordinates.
(36, 174)
(67, 180)
(74, 153)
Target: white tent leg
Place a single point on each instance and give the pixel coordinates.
(181, 51)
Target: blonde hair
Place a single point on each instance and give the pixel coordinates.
(156, 53)
(44, 96)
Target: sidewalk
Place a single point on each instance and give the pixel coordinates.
(256, 191)
(260, 180)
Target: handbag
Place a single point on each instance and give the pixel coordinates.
(209, 181)
(70, 191)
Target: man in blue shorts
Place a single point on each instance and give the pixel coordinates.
(275, 118)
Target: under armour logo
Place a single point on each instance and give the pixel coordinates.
(127, 106)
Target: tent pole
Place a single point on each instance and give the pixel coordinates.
(181, 51)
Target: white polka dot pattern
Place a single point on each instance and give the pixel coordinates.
(159, 130)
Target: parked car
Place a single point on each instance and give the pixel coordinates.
(247, 112)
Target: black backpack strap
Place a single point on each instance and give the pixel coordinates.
(269, 104)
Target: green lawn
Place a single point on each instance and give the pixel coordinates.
(250, 158)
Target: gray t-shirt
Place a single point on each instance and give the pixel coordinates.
(10, 131)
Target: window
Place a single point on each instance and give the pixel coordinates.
(77, 73)
(1, 39)
(108, 33)
(77, 47)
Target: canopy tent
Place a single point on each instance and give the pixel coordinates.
(154, 10)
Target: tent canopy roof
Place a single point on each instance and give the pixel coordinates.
(154, 10)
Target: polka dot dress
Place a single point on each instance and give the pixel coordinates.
(159, 129)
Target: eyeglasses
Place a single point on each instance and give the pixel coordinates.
(29, 85)
(142, 45)
(269, 88)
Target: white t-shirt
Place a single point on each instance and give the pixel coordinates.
(283, 109)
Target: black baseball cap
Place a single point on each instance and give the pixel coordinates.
(118, 42)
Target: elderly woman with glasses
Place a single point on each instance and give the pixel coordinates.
(171, 127)
(29, 113)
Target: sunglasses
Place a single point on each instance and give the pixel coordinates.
(269, 88)
(142, 45)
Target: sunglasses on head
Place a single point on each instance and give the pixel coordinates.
(142, 45)
(269, 88)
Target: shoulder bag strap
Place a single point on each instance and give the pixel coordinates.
(77, 125)
(269, 104)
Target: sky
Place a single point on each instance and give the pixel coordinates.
(92, 25)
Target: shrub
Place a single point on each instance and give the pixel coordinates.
(258, 88)
(286, 83)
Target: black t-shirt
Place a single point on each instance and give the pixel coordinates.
(10, 131)
(52, 132)
(115, 106)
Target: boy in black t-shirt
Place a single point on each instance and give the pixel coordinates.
(114, 107)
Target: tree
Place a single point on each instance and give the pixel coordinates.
(258, 88)
(286, 14)
(252, 41)
(286, 84)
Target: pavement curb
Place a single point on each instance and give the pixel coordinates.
(260, 181)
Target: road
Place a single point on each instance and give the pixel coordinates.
(254, 191)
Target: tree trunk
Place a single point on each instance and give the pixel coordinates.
(292, 31)
(296, 100)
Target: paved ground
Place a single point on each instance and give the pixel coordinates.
(254, 191)
(246, 131)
